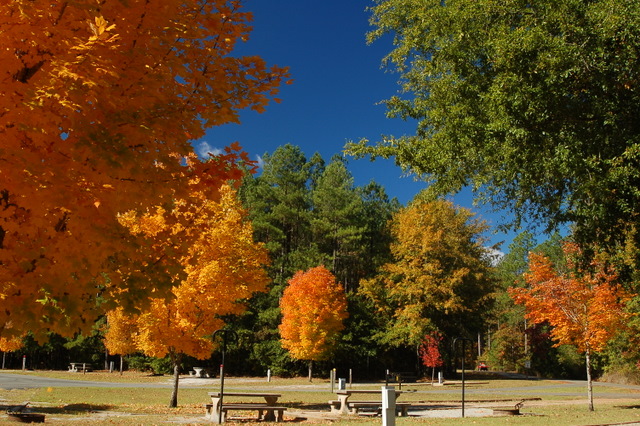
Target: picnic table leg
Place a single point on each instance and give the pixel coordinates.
(214, 414)
(344, 408)
(269, 415)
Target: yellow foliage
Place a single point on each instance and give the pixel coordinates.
(10, 345)
(440, 268)
(223, 267)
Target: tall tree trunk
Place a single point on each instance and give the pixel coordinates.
(175, 358)
(589, 382)
(310, 370)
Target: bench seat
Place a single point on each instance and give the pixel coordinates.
(505, 411)
(249, 406)
(356, 406)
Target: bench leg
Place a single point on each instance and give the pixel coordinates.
(268, 416)
(279, 416)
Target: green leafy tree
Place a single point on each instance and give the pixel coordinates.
(336, 225)
(532, 104)
(309, 213)
(378, 211)
(513, 338)
(279, 207)
(508, 337)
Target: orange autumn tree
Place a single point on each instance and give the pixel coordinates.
(99, 101)
(224, 267)
(313, 309)
(584, 305)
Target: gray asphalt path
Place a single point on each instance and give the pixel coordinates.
(27, 381)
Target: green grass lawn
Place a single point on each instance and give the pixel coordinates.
(560, 403)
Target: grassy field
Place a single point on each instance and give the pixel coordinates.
(547, 402)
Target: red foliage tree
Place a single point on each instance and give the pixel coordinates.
(429, 351)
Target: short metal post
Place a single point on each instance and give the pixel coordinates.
(388, 406)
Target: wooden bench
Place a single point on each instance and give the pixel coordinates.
(343, 407)
(262, 409)
(508, 410)
(355, 407)
(216, 409)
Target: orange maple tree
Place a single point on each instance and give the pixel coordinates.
(224, 267)
(313, 308)
(584, 305)
(99, 101)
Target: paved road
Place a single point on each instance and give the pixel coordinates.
(26, 381)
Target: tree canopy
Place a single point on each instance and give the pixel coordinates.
(585, 306)
(224, 267)
(99, 102)
(534, 105)
(440, 275)
(314, 307)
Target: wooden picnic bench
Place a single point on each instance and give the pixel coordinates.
(267, 411)
(343, 406)
(509, 410)
(375, 407)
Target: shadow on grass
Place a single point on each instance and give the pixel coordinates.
(628, 407)
(308, 406)
(67, 409)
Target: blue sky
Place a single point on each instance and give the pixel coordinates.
(337, 85)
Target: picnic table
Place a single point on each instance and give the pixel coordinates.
(344, 406)
(267, 411)
(74, 367)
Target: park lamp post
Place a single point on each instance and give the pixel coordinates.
(463, 340)
(226, 336)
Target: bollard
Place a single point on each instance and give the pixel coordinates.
(388, 406)
(269, 375)
(440, 379)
